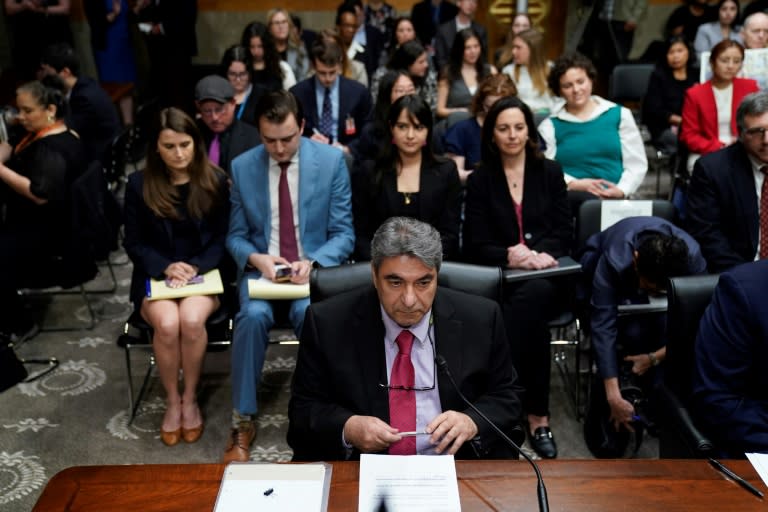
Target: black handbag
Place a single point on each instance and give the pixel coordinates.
(12, 370)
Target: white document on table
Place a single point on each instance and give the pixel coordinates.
(760, 463)
(404, 483)
(274, 487)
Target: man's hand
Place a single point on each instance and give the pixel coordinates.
(640, 363)
(621, 413)
(319, 137)
(450, 430)
(301, 271)
(265, 263)
(369, 434)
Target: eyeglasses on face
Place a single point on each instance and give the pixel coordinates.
(757, 131)
(235, 75)
(215, 111)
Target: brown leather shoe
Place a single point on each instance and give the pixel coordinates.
(170, 438)
(239, 442)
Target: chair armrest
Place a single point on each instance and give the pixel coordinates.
(679, 418)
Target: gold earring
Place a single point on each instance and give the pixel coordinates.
(50, 118)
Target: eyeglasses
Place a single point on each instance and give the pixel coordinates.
(234, 75)
(757, 130)
(434, 370)
(216, 111)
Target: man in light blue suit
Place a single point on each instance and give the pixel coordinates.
(291, 205)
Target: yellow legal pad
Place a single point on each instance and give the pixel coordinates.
(265, 289)
(210, 285)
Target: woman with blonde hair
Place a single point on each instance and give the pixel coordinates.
(287, 42)
(520, 22)
(176, 221)
(529, 70)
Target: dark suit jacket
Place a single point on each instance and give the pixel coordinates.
(354, 101)
(149, 239)
(607, 262)
(341, 363)
(699, 130)
(423, 24)
(490, 223)
(93, 116)
(730, 378)
(722, 213)
(237, 139)
(446, 33)
(439, 204)
(374, 47)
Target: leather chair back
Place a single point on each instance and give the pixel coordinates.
(588, 222)
(688, 297)
(472, 279)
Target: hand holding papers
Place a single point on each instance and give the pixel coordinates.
(405, 483)
(205, 284)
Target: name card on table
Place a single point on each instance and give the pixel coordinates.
(612, 212)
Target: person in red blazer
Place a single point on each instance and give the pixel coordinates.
(700, 129)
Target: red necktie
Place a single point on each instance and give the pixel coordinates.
(402, 403)
(289, 249)
(764, 215)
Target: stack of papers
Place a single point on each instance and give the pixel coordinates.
(417, 483)
(274, 487)
(262, 288)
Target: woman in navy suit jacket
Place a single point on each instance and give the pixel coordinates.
(517, 216)
(176, 218)
(407, 180)
(710, 106)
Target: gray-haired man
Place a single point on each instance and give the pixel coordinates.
(728, 193)
(366, 366)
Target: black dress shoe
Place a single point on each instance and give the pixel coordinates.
(543, 442)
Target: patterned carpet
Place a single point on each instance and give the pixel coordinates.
(78, 414)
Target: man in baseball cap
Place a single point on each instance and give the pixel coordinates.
(225, 136)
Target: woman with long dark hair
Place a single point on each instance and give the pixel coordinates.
(466, 68)
(517, 216)
(268, 70)
(176, 220)
(412, 57)
(726, 27)
(407, 179)
(236, 68)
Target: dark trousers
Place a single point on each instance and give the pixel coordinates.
(528, 306)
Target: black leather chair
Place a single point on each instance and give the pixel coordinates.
(679, 437)
(588, 221)
(474, 279)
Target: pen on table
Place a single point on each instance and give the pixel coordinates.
(269, 491)
(733, 476)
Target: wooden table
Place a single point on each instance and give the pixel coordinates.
(573, 485)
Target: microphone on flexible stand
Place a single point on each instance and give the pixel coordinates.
(541, 491)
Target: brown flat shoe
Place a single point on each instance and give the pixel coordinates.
(170, 438)
(191, 435)
(239, 443)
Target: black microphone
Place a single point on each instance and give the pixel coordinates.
(541, 491)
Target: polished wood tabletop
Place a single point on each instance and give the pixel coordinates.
(572, 485)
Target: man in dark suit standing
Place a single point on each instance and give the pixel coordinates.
(728, 193)
(91, 112)
(336, 109)
(730, 381)
(225, 136)
(366, 371)
(427, 15)
(446, 33)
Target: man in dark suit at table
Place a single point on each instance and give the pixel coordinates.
(225, 136)
(728, 193)
(624, 264)
(446, 32)
(336, 108)
(291, 205)
(367, 371)
(730, 378)
(91, 111)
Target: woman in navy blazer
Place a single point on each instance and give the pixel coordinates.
(176, 219)
(407, 180)
(517, 216)
(700, 128)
